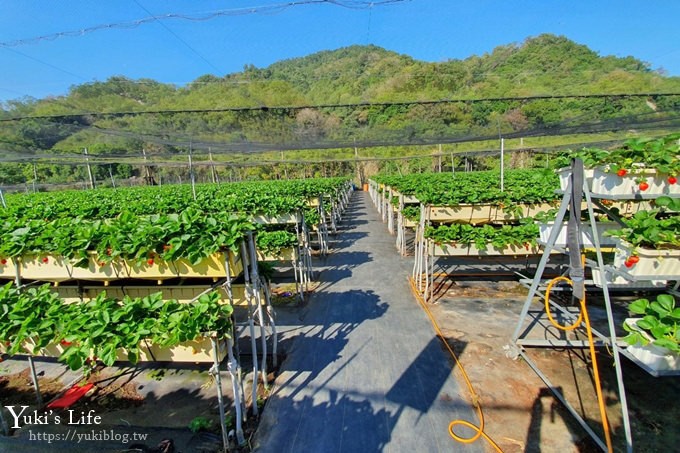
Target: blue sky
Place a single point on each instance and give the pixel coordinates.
(180, 51)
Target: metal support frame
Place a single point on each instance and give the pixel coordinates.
(519, 338)
(251, 328)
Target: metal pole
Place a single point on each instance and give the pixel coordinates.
(251, 325)
(147, 172)
(34, 377)
(218, 382)
(191, 174)
(213, 173)
(89, 170)
(255, 278)
(35, 176)
(440, 158)
(113, 181)
(502, 163)
(2, 200)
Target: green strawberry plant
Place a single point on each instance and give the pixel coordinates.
(650, 229)
(660, 321)
(481, 237)
(103, 327)
(272, 242)
(443, 189)
(633, 156)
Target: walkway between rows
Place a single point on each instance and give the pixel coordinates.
(365, 371)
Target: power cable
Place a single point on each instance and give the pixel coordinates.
(645, 121)
(200, 17)
(186, 44)
(292, 108)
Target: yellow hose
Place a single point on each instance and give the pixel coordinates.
(475, 398)
(547, 306)
(583, 316)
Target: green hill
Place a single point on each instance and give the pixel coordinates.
(543, 65)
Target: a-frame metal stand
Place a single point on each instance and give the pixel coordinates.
(520, 338)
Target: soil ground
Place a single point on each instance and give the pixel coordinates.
(478, 318)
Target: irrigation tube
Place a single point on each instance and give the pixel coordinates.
(583, 317)
(475, 397)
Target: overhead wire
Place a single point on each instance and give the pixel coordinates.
(198, 17)
(645, 121)
(186, 44)
(289, 108)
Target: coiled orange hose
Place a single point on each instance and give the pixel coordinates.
(479, 430)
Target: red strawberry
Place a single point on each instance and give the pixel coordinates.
(634, 259)
(3, 261)
(45, 260)
(149, 261)
(628, 263)
(65, 343)
(622, 172)
(643, 186)
(672, 180)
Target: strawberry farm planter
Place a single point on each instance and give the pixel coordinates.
(485, 213)
(605, 183)
(57, 269)
(212, 266)
(545, 230)
(472, 250)
(654, 357)
(281, 219)
(661, 264)
(287, 254)
(196, 351)
(565, 174)
(473, 213)
(8, 269)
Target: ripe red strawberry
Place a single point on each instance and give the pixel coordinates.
(45, 260)
(622, 172)
(643, 186)
(628, 263)
(65, 343)
(3, 261)
(149, 261)
(634, 259)
(672, 180)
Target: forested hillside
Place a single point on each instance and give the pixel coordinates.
(544, 65)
